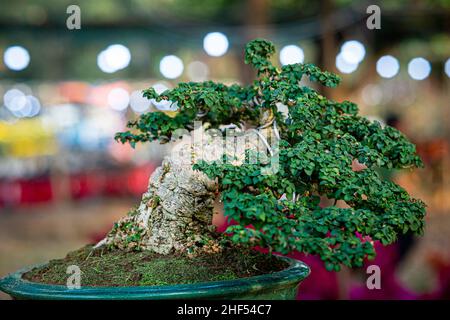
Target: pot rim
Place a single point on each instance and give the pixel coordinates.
(14, 285)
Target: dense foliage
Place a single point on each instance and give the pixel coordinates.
(320, 139)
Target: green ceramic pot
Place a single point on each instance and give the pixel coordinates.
(277, 285)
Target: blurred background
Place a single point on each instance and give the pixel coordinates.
(65, 92)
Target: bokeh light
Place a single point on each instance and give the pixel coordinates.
(419, 68)
(16, 58)
(353, 52)
(14, 99)
(29, 109)
(215, 44)
(291, 54)
(21, 105)
(102, 64)
(138, 103)
(114, 58)
(118, 99)
(35, 106)
(171, 67)
(447, 67)
(343, 66)
(387, 66)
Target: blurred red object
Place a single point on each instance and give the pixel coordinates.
(137, 181)
(86, 184)
(130, 181)
(114, 184)
(133, 181)
(320, 284)
(26, 191)
(36, 190)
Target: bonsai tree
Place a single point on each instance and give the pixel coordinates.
(275, 207)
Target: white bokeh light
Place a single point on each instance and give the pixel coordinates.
(14, 99)
(118, 99)
(343, 66)
(114, 58)
(138, 103)
(447, 67)
(21, 105)
(197, 71)
(35, 106)
(30, 109)
(291, 54)
(353, 52)
(215, 44)
(102, 64)
(419, 68)
(387, 66)
(118, 56)
(16, 58)
(171, 67)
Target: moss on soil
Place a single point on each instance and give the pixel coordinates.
(119, 268)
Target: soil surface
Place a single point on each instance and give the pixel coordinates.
(119, 268)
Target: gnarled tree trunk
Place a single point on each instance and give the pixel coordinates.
(174, 214)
